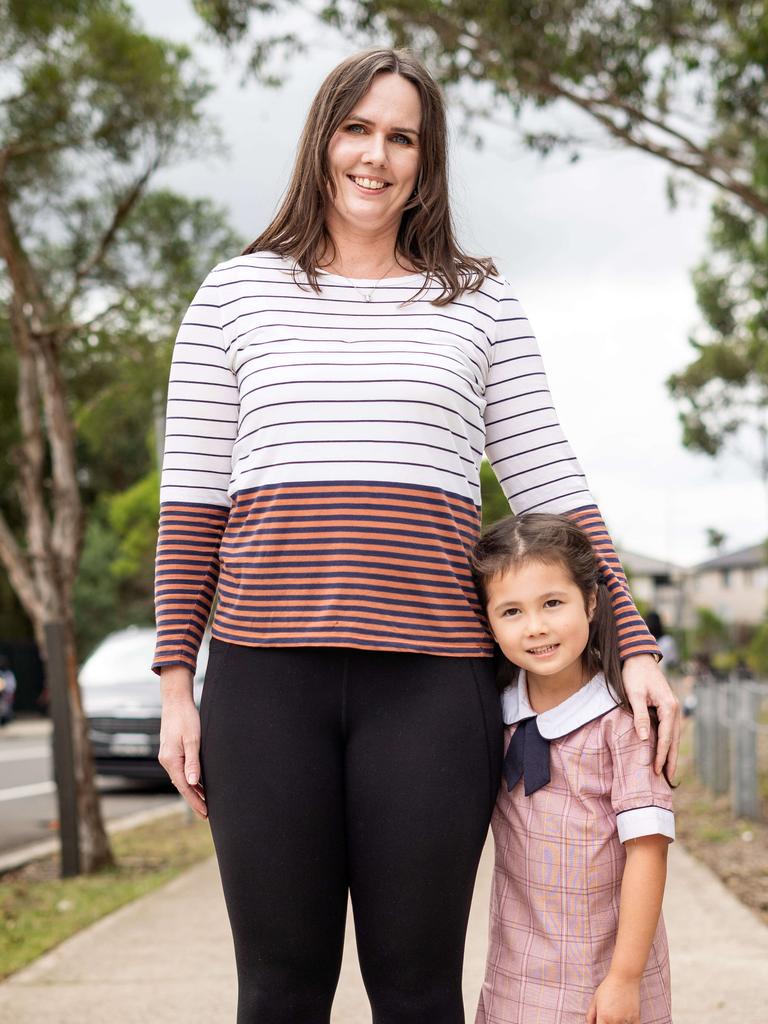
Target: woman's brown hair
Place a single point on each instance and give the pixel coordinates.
(554, 540)
(426, 235)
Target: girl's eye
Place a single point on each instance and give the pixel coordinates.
(510, 611)
(553, 601)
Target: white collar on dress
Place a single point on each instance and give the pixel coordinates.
(594, 699)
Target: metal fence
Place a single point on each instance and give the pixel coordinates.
(731, 740)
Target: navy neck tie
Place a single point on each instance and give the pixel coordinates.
(527, 757)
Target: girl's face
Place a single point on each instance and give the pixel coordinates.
(537, 615)
(374, 156)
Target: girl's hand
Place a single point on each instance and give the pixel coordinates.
(616, 1001)
(180, 738)
(646, 685)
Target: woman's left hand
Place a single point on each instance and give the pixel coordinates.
(646, 686)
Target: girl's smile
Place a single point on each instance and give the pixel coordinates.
(544, 652)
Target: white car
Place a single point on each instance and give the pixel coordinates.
(121, 700)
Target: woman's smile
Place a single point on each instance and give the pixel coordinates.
(368, 186)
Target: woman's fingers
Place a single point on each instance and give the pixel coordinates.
(193, 790)
(645, 686)
(180, 753)
(669, 736)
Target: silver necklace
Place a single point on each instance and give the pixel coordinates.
(368, 295)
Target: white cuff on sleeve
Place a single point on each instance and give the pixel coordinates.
(645, 821)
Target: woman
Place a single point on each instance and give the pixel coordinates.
(331, 394)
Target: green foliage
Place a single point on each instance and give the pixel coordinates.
(681, 79)
(133, 518)
(710, 634)
(114, 584)
(495, 505)
(97, 605)
(724, 390)
(86, 83)
(757, 652)
(90, 108)
(715, 538)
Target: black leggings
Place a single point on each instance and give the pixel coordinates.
(328, 769)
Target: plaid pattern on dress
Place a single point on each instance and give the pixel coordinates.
(557, 879)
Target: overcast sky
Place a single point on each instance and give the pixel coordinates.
(599, 261)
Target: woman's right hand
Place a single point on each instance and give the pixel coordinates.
(180, 736)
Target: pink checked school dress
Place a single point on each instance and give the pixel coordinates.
(560, 859)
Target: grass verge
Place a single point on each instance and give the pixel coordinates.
(39, 910)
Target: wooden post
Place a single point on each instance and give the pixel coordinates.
(63, 750)
(745, 796)
(721, 777)
(705, 739)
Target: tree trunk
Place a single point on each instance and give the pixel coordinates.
(43, 572)
(95, 851)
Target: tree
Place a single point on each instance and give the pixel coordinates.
(682, 80)
(90, 108)
(724, 390)
(715, 539)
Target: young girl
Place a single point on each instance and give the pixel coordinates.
(582, 822)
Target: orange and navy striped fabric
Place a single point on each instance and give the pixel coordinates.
(321, 470)
(634, 637)
(186, 576)
(357, 565)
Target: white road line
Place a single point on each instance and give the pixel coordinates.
(34, 789)
(24, 753)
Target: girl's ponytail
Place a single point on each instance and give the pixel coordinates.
(602, 653)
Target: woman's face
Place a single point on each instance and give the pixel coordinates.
(374, 156)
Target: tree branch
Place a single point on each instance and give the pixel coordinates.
(693, 158)
(120, 213)
(19, 570)
(702, 169)
(67, 531)
(30, 460)
(26, 284)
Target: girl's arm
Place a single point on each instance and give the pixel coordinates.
(617, 999)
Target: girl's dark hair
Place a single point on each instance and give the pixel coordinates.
(426, 236)
(555, 540)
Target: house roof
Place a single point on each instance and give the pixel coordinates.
(744, 558)
(644, 565)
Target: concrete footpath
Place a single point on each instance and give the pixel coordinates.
(168, 957)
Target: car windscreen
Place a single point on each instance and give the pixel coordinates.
(119, 660)
(124, 659)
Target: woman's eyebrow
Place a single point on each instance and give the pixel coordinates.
(394, 128)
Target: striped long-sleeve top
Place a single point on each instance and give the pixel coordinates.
(322, 463)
